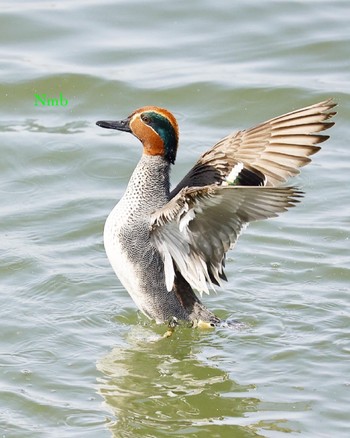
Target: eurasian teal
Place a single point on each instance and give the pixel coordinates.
(165, 244)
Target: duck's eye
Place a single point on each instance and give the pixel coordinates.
(145, 118)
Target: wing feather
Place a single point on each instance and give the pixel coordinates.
(274, 150)
(195, 229)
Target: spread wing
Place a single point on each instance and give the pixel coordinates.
(195, 229)
(267, 154)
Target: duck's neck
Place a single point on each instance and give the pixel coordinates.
(148, 188)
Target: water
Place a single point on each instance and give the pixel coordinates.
(76, 358)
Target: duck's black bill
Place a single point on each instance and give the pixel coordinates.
(120, 125)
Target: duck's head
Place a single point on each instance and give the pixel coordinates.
(155, 127)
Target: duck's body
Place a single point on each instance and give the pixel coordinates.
(134, 257)
(164, 244)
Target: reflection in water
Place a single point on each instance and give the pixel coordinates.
(156, 387)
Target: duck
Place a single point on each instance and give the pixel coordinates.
(168, 246)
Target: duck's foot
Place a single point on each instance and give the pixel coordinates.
(204, 325)
(173, 323)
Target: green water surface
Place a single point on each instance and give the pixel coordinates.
(76, 359)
